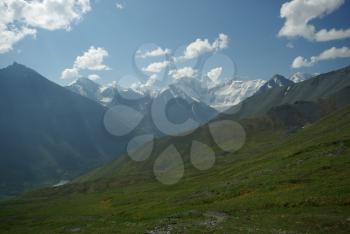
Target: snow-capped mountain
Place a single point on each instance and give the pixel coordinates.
(233, 92)
(299, 77)
(103, 94)
(218, 96)
(275, 81)
(106, 94)
(189, 87)
(172, 102)
(85, 87)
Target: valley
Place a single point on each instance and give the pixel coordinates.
(291, 175)
(297, 184)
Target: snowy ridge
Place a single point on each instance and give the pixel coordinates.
(300, 77)
(233, 92)
(219, 96)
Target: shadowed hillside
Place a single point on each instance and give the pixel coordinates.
(47, 133)
(320, 87)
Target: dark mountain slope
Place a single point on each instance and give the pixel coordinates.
(319, 87)
(296, 115)
(275, 81)
(47, 132)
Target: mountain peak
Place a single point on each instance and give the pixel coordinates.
(21, 73)
(276, 81)
(16, 65)
(278, 77)
(299, 77)
(279, 80)
(84, 81)
(85, 87)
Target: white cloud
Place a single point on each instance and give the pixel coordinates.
(119, 6)
(183, 72)
(150, 83)
(197, 48)
(20, 18)
(215, 73)
(332, 53)
(301, 62)
(70, 73)
(202, 46)
(221, 42)
(153, 53)
(94, 77)
(10, 37)
(299, 13)
(90, 60)
(156, 67)
(152, 80)
(333, 34)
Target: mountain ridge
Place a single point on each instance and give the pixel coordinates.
(48, 132)
(321, 86)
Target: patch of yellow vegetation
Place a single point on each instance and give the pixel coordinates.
(106, 203)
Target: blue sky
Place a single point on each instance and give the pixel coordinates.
(252, 27)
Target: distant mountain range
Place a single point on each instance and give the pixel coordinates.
(320, 87)
(113, 95)
(280, 108)
(276, 175)
(277, 107)
(50, 134)
(219, 96)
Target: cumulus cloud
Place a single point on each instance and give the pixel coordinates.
(183, 72)
(156, 67)
(20, 18)
(202, 46)
(152, 80)
(10, 37)
(333, 34)
(215, 73)
(221, 42)
(70, 73)
(94, 77)
(92, 60)
(300, 61)
(299, 13)
(153, 53)
(150, 83)
(332, 53)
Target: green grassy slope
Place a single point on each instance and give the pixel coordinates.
(277, 183)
